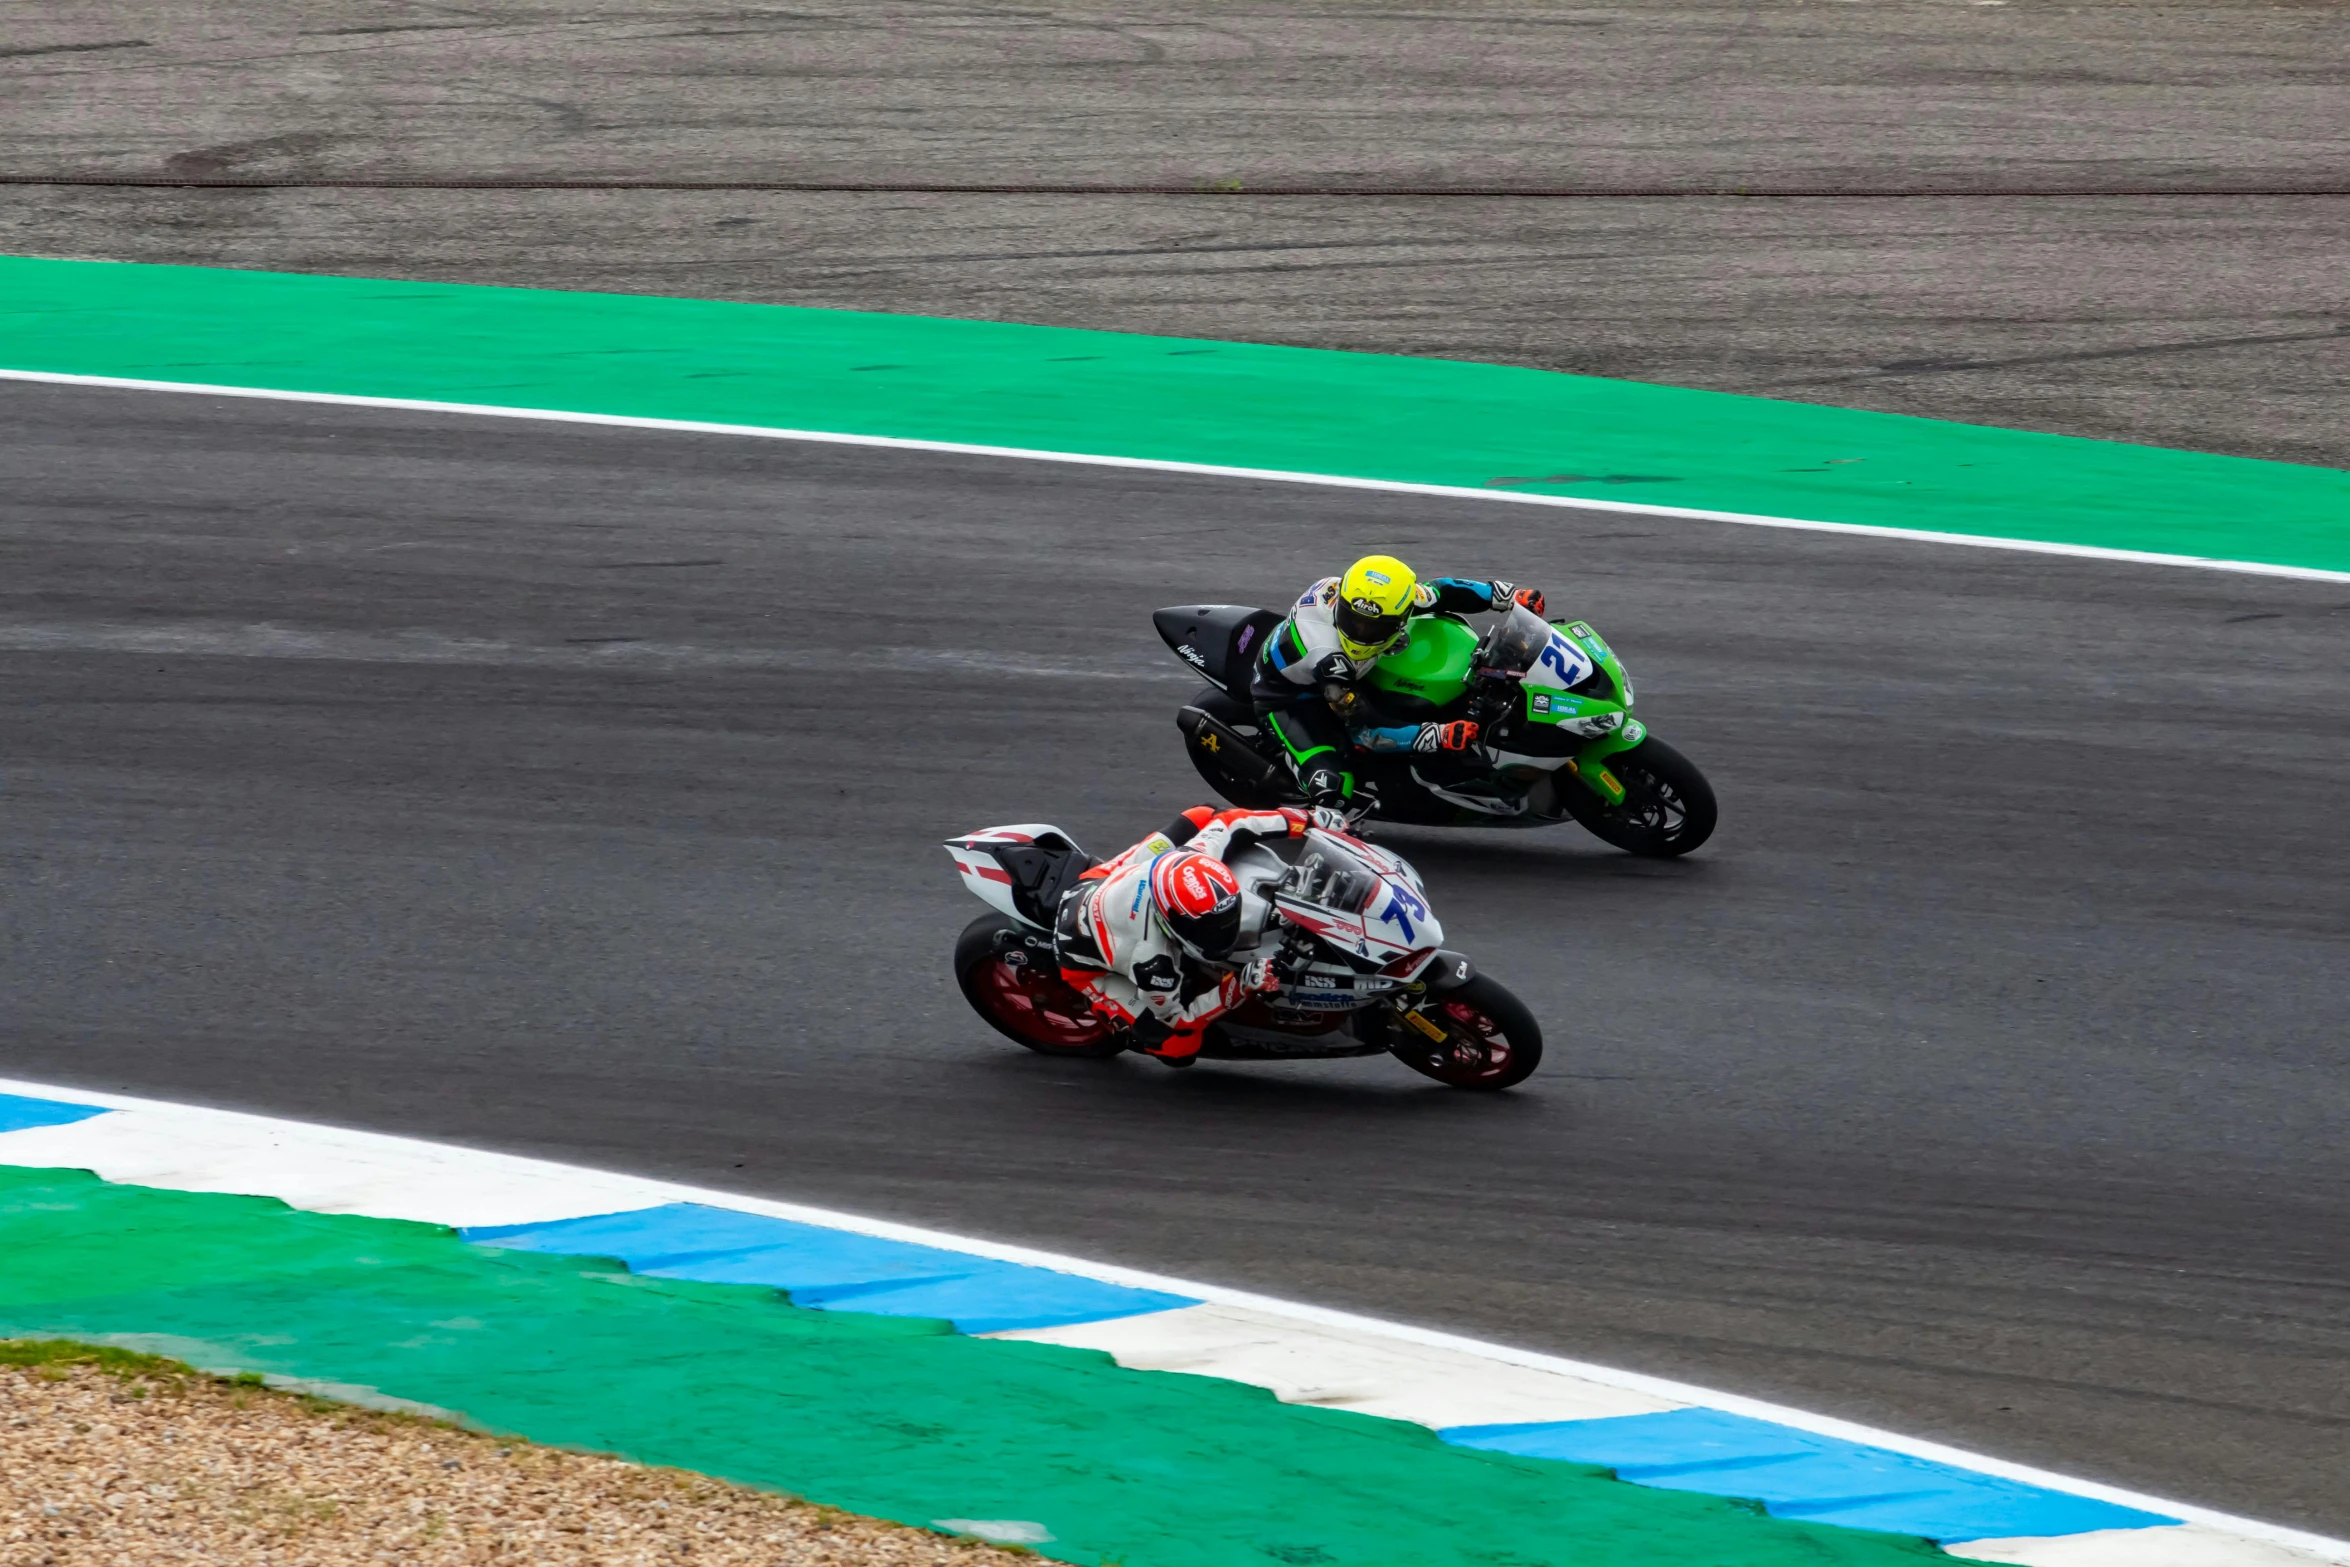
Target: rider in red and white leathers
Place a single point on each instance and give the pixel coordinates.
(1148, 936)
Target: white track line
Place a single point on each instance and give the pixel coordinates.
(488, 1172)
(1202, 469)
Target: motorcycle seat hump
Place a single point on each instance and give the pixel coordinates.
(1219, 641)
(1041, 875)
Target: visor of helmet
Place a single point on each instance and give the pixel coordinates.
(1364, 627)
(1211, 936)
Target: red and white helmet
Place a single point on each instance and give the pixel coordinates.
(1198, 898)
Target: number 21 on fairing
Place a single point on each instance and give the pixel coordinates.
(1563, 659)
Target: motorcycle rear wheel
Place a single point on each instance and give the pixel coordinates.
(1025, 1003)
(1491, 1040)
(1668, 806)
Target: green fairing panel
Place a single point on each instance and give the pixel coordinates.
(1434, 665)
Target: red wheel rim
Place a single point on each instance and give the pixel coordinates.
(1038, 1008)
(1478, 1051)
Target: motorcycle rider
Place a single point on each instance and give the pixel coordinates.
(1306, 686)
(1148, 936)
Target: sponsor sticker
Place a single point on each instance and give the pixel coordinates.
(1319, 1001)
(1541, 703)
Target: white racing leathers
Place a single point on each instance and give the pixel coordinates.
(1114, 948)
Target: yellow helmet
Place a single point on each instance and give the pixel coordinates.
(1374, 600)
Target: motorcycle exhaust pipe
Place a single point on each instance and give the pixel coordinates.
(1229, 751)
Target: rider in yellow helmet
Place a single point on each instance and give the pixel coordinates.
(1337, 631)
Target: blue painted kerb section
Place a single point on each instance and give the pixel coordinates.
(1796, 1474)
(833, 1270)
(18, 1114)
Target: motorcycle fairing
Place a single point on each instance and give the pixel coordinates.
(1573, 681)
(1590, 764)
(1020, 870)
(1362, 901)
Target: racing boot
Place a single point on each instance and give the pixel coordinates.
(1326, 797)
(1164, 1045)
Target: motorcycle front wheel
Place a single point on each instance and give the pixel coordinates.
(1668, 807)
(1026, 1002)
(1490, 1040)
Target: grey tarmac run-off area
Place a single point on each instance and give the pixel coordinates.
(2193, 312)
(578, 791)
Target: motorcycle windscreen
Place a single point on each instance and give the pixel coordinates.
(1387, 910)
(1329, 876)
(1515, 641)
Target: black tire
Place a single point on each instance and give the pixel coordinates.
(1668, 806)
(1492, 1042)
(1025, 1004)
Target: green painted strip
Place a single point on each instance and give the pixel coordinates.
(1420, 421)
(896, 1418)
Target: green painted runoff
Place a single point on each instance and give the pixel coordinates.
(886, 1416)
(1376, 416)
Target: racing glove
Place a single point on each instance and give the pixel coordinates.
(1458, 735)
(1257, 977)
(1507, 593)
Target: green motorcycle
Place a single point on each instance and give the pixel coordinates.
(1552, 705)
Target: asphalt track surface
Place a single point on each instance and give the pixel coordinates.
(577, 791)
(2099, 233)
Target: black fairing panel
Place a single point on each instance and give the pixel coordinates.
(1217, 640)
(1040, 876)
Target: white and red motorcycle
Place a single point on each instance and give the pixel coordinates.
(1358, 953)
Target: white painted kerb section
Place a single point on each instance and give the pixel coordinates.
(1207, 470)
(1303, 1353)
